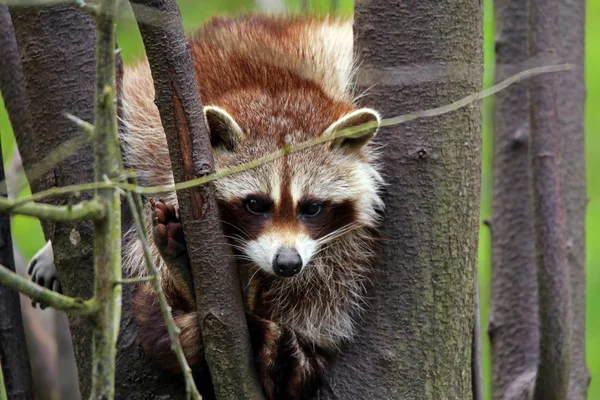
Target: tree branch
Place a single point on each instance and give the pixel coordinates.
(107, 232)
(81, 211)
(550, 226)
(45, 296)
(220, 308)
(138, 215)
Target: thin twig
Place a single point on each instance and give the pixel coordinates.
(86, 210)
(45, 296)
(139, 279)
(349, 132)
(55, 157)
(138, 215)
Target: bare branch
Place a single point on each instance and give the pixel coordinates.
(46, 296)
(82, 211)
(173, 331)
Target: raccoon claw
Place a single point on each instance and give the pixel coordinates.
(43, 271)
(167, 231)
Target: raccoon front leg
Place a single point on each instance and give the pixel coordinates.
(42, 270)
(167, 234)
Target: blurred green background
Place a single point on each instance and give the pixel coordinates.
(29, 238)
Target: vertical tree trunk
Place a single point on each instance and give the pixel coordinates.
(549, 215)
(415, 340)
(57, 51)
(513, 325)
(570, 106)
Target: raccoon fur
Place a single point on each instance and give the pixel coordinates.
(303, 225)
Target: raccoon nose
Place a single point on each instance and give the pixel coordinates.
(287, 262)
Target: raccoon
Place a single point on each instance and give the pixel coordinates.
(303, 226)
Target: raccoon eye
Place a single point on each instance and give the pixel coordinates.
(311, 208)
(257, 206)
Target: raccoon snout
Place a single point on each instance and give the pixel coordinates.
(287, 262)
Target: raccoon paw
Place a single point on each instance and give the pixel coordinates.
(167, 231)
(43, 271)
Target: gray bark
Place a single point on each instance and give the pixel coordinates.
(513, 324)
(550, 225)
(570, 107)
(514, 327)
(57, 53)
(415, 341)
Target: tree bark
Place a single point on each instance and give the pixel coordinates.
(57, 53)
(220, 308)
(550, 225)
(570, 107)
(513, 324)
(415, 340)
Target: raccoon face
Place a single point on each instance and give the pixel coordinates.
(280, 214)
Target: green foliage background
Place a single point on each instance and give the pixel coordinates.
(29, 238)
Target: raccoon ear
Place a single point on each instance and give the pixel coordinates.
(225, 133)
(354, 119)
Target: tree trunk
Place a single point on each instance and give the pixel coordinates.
(570, 106)
(57, 52)
(513, 324)
(416, 337)
(57, 49)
